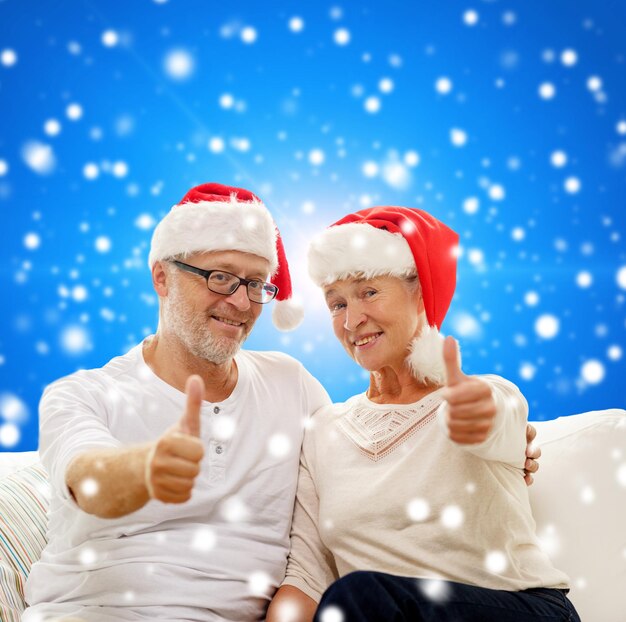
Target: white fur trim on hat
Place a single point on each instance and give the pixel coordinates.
(287, 314)
(426, 357)
(355, 248)
(245, 226)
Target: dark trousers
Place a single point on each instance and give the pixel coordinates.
(379, 597)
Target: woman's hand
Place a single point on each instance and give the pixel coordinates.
(471, 406)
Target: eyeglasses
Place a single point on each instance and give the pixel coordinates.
(227, 284)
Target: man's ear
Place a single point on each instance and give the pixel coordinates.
(159, 279)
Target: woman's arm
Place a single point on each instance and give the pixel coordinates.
(291, 605)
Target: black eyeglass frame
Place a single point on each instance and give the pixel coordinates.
(240, 281)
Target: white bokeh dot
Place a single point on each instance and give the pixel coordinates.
(226, 101)
(614, 353)
(496, 562)
(74, 339)
(9, 435)
(621, 277)
(89, 487)
(223, 427)
(587, 495)
(547, 326)
(452, 517)
(330, 613)
(316, 157)
(249, 35)
(620, 475)
(547, 90)
(458, 137)
(443, 85)
(558, 158)
(279, 445)
(120, 169)
(204, 540)
(32, 241)
(497, 192)
(572, 185)
(411, 158)
(527, 371)
(87, 556)
(52, 127)
(74, 112)
(178, 64)
(103, 244)
(8, 57)
(372, 104)
(4, 167)
(110, 38)
(470, 17)
(385, 85)
(531, 298)
(370, 169)
(620, 128)
(584, 279)
(39, 157)
(594, 83)
(471, 205)
(569, 57)
(341, 36)
(296, 24)
(216, 144)
(592, 372)
(260, 584)
(418, 510)
(518, 234)
(91, 171)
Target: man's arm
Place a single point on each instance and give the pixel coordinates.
(291, 605)
(111, 483)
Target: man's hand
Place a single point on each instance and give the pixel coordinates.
(174, 460)
(471, 407)
(533, 453)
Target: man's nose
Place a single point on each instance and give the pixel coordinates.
(239, 298)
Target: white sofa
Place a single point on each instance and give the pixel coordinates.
(579, 502)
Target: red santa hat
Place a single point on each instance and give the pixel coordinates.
(396, 241)
(214, 217)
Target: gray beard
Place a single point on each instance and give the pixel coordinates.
(193, 331)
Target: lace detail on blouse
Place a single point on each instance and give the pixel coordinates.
(378, 432)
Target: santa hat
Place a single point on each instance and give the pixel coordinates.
(396, 241)
(213, 217)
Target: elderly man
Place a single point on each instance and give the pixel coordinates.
(174, 466)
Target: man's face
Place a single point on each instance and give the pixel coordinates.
(212, 326)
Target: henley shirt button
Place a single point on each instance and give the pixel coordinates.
(216, 409)
(219, 449)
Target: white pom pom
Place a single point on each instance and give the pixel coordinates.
(426, 358)
(287, 315)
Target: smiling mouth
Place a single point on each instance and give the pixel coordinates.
(366, 340)
(224, 320)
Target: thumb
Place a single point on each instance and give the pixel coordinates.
(451, 360)
(190, 421)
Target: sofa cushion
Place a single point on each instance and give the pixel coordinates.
(24, 497)
(579, 505)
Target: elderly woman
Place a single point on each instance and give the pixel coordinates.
(411, 503)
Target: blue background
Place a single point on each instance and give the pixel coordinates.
(306, 123)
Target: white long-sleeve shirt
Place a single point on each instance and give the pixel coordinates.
(383, 488)
(219, 556)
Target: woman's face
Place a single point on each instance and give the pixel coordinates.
(375, 319)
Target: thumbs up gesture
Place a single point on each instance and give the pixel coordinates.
(471, 408)
(173, 461)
